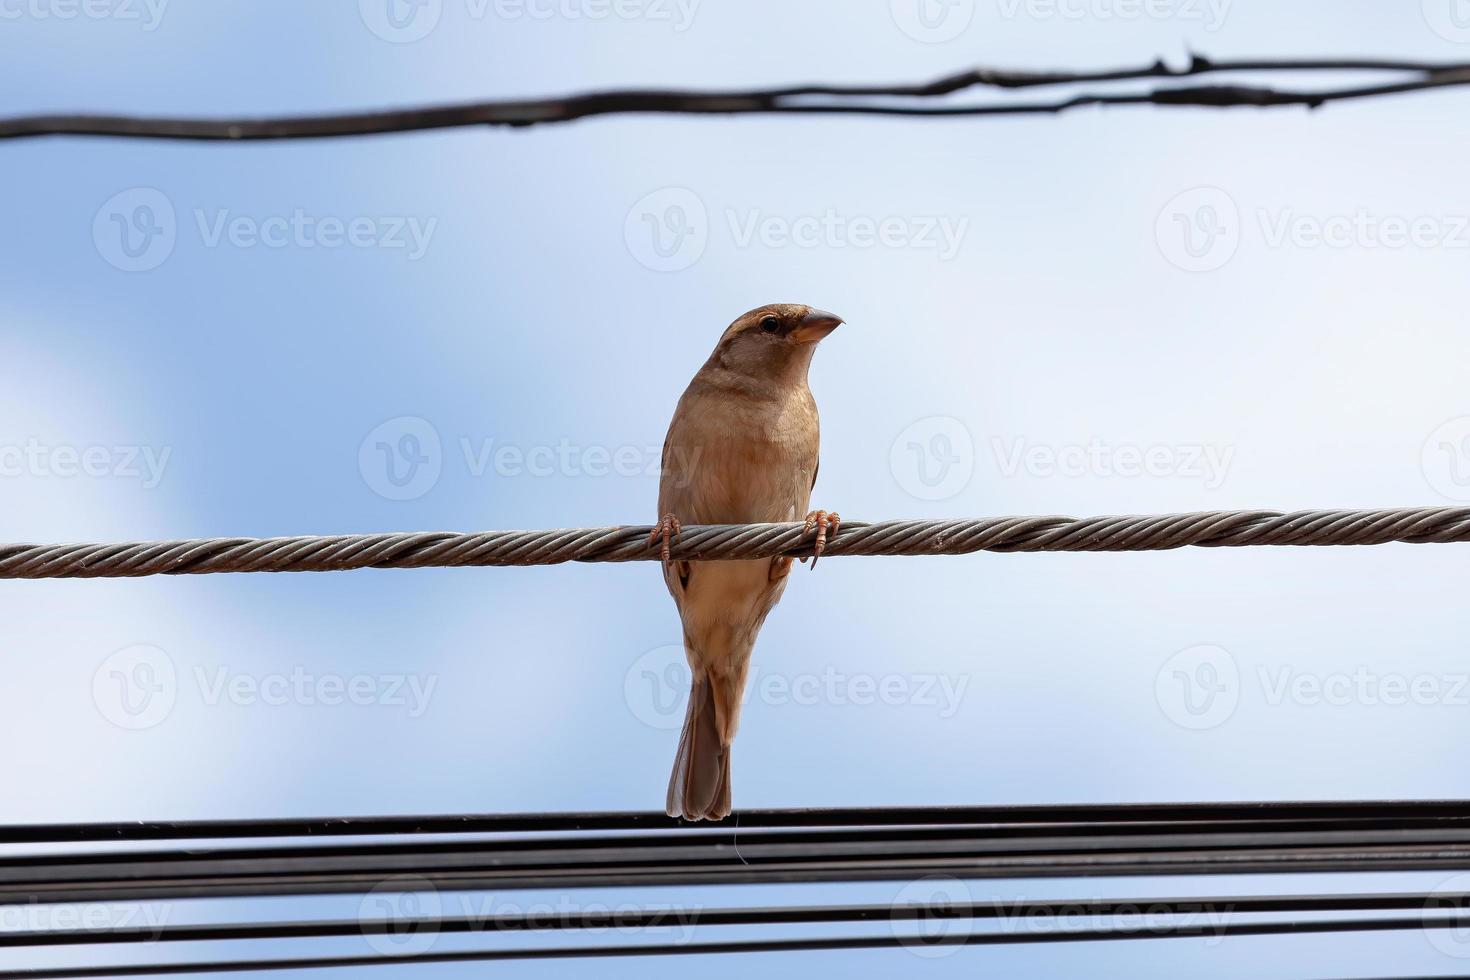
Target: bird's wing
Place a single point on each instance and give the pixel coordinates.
(676, 476)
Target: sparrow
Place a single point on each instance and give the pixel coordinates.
(741, 449)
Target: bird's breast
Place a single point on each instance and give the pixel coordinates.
(742, 463)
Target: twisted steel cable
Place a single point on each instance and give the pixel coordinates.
(450, 549)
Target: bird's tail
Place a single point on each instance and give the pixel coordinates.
(699, 788)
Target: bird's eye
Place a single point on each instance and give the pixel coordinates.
(770, 324)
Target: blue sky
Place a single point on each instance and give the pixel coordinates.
(515, 313)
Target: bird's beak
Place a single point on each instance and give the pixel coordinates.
(814, 326)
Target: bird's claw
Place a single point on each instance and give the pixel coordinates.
(824, 522)
(663, 532)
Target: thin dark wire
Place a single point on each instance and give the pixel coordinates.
(1283, 927)
(807, 99)
(666, 917)
(1319, 838)
(1209, 529)
(1392, 812)
(805, 845)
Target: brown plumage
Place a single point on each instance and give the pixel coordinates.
(742, 448)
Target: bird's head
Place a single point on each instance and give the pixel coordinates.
(775, 341)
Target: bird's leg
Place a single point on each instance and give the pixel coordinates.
(663, 532)
(823, 522)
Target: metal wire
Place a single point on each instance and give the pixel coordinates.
(1208, 529)
(972, 843)
(1332, 814)
(1173, 931)
(726, 869)
(665, 917)
(571, 851)
(874, 100)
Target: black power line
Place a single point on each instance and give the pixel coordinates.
(1340, 813)
(662, 917)
(872, 100)
(1285, 927)
(778, 846)
(359, 855)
